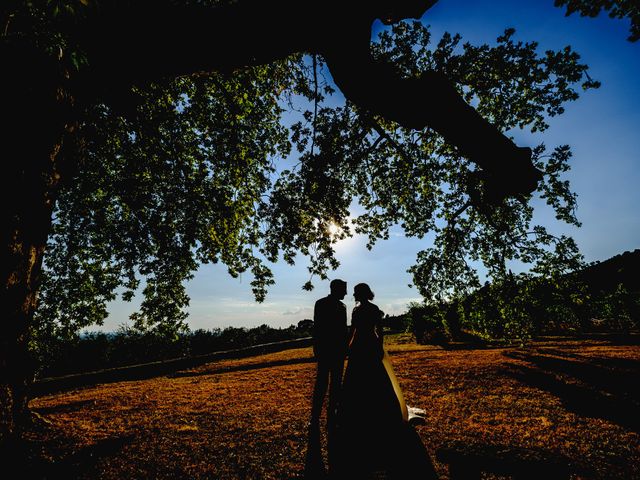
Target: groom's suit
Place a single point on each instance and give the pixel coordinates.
(330, 337)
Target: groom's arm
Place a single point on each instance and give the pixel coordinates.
(317, 329)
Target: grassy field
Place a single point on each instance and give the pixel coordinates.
(246, 419)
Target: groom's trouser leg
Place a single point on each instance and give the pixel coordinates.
(319, 391)
(335, 388)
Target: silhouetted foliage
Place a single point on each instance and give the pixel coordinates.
(603, 297)
(427, 323)
(128, 346)
(396, 323)
(615, 8)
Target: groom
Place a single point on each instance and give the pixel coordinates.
(330, 337)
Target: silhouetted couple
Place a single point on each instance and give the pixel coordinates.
(367, 426)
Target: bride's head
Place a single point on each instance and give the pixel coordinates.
(362, 292)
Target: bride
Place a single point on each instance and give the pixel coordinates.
(372, 431)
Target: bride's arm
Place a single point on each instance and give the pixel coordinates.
(352, 334)
(352, 329)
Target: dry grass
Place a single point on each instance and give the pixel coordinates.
(246, 418)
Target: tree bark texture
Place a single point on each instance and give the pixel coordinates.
(37, 111)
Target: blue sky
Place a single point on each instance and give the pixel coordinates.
(601, 128)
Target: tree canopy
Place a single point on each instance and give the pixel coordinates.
(254, 166)
(145, 137)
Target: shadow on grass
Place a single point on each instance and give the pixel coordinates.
(631, 365)
(468, 461)
(64, 407)
(603, 388)
(399, 454)
(243, 368)
(27, 461)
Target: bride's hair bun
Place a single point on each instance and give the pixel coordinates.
(362, 291)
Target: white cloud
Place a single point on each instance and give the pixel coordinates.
(293, 311)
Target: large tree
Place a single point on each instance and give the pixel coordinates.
(150, 130)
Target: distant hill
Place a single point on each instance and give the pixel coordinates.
(606, 275)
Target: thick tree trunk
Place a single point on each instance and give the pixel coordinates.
(38, 113)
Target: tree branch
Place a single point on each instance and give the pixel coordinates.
(130, 41)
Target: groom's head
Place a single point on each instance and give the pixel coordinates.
(338, 288)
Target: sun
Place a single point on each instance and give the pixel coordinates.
(340, 234)
(334, 229)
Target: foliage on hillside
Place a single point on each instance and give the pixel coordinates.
(128, 346)
(608, 274)
(605, 296)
